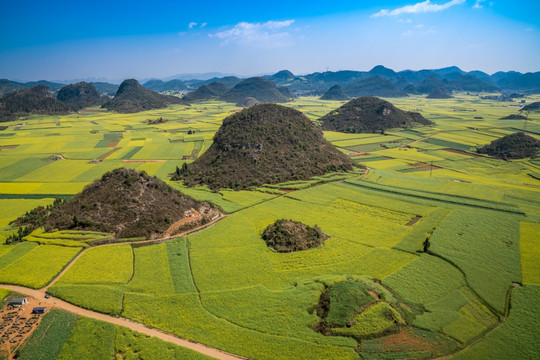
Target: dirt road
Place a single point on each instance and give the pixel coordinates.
(53, 302)
(60, 304)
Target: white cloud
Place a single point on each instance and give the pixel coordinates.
(478, 4)
(192, 24)
(204, 24)
(421, 7)
(269, 34)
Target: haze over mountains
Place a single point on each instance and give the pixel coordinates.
(358, 83)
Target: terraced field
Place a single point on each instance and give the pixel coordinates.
(473, 289)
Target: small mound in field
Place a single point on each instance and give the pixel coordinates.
(335, 93)
(131, 97)
(535, 106)
(358, 308)
(264, 144)
(288, 236)
(440, 93)
(514, 117)
(513, 146)
(369, 114)
(125, 202)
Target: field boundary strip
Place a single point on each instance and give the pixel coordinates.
(439, 197)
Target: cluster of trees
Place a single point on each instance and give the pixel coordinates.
(288, 235)
(513, 146)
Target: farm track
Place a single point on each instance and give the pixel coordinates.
(422, 139)
(53, 302)
(204, 349)
(132, 325)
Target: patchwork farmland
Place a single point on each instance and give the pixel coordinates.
(474, 288)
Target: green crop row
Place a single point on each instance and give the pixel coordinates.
(11, 253)
(517, 337)
(373, 321)
(102, 298)
(190, 320)
(38, 267)
(100, 345)
(482, 243)
(450, 199)
(152, 274)
(47, 340)
(101, 265)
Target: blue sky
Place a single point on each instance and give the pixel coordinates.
(63, 40)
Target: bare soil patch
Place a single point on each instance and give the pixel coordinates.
(16, 325)
(104, 156)
(413, 221)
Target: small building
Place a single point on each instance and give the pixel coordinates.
(17, 302)
(39, 310)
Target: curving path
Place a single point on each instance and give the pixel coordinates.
(53, 302)
(60, 304)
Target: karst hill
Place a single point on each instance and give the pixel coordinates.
(266, 143)
(440, 93)
(36, 100)
(368, 115)
(79, 95)
(256, 87)
(207, 91)
(132, 97)
(513, 146)
(125, 202)
(335, 93)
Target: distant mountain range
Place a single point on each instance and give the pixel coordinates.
(388, 83)
(379, 80)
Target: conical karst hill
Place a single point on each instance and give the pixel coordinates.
(125, 202)
(369, 114)
(335, 93)
(132, 97)
(79, 95)
(257, 87)
(266, 143)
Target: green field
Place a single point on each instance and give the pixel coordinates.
(223, 287)
(36, 267)
(62, 335)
